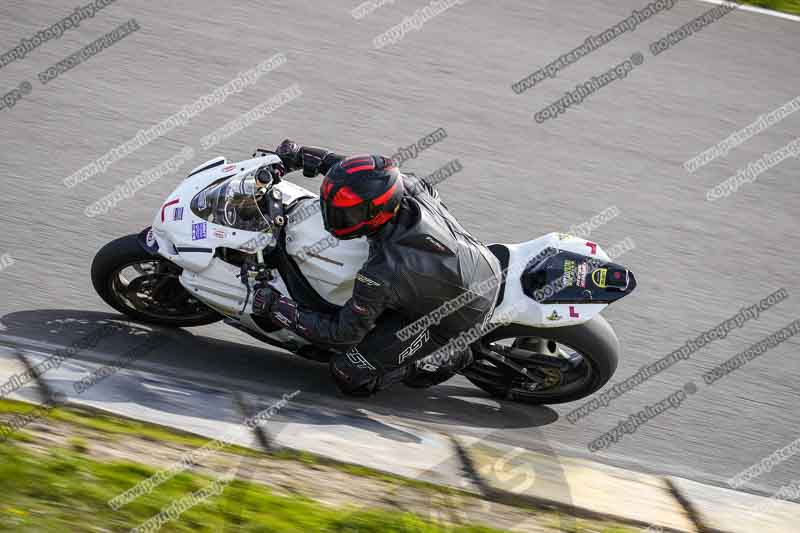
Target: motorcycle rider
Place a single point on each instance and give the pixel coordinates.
(419, 258)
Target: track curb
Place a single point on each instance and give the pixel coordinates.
(690, 507)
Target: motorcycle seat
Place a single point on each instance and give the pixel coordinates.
(502, 254)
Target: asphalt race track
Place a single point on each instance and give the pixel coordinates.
(697, 262)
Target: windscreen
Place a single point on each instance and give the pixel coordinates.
(233, 202)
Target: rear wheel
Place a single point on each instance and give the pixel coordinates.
(146, 287)
(545, 365)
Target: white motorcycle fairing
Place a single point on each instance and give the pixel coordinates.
(518, 308)
(180, 235)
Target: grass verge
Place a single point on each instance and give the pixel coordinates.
(59, 473)
(786, 6)
(65, 491)
(112, 426)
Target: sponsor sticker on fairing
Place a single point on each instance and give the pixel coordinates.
(554, 316)
(599, 277)
(583, 271)
(199, 231)
(569, 278)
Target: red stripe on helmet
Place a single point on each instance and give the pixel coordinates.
(371, 166)
(346, 197)
(377, 220)
(347, 231)
(383, 198)
(380, 218)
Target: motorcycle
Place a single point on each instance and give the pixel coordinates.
(230, 226)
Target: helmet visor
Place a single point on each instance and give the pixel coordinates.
(343, 221)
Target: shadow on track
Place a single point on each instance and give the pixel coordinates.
(262, 372)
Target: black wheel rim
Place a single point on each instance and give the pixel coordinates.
(152, 287)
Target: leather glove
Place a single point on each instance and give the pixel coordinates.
(269, 302)
(313, 160)
(289, 152)
(264, 299)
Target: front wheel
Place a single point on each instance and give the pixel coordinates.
(146, 287)
(545, 365)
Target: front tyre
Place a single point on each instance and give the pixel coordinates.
(146, 287)
(561, 364)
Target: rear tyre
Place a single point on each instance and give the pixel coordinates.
(146, 287)
(566, 364)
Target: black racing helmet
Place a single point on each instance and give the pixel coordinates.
(359, 195)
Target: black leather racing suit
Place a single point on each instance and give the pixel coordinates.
(417, 262)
